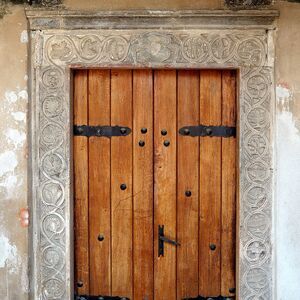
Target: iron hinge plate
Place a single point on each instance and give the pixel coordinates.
(106, 131)
(209, 298)
(87, 297)
(204, 130)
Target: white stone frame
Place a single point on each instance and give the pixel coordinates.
(63, 40)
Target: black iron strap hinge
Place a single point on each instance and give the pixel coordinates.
(106, 131)
(86, 297)
(204, 130)
(209, 298)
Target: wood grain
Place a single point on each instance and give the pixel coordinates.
(126, 262)
(143, 184)
(99, 185)
(81, 208)
(210, 186)
(165, 181)
(121, 173)
(228, 185)
(187, 180)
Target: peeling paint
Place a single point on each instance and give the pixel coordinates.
(11, 96)
(16, 137)
(8, 162)
(284, 96)
(24, 37)
(19, 116)
(8, 252)
(288, 209)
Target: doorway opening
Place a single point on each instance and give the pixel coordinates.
(155, 183)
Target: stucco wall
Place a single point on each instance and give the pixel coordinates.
(288, 152)
(13, 139)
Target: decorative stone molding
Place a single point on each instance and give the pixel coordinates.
(61, 41)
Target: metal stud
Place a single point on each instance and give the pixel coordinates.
(141, 143)
(232, 290)
(123, 130)
(212, 247)
(123, 186)
(164, 132)
(208, 131)
(79, 284)
(188, 193)
(100, 237)
(167, 143)
(80, 129)
(144, 130)
(186, 131)
(99, 131)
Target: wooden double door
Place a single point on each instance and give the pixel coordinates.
(136, 190)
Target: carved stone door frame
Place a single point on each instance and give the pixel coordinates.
(64, 40)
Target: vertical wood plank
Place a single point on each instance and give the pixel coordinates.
(187, 180)
(99, 184)
(165, 181)
(121, 173)
(228, 184)
(210, 186)
(81, 214)
(143, 184)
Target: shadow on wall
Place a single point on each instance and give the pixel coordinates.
(239, 4)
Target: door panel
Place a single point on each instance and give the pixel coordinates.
(187, 181)
(228, 185)
(99, 194)
(210, 185)
(121, 173)
(165, 181)
(127, 186)
(81, 203)
(143, 184)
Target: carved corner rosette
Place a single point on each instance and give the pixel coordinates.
(58, 51)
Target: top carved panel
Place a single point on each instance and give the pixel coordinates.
(168, 49)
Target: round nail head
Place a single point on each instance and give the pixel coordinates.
(141, 143)
(164, 132)
(100, 237)
(232, 290)
(212, 247)
(209, 131)
(167, 143)
(79, 284)
(188, 193)
(123, 130)
(144, 130)
(123, 186)
(186, 131)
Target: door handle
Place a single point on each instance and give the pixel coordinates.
(162, 239)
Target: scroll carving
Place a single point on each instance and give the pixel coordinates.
(158, 47)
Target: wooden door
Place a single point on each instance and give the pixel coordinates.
(127, 187)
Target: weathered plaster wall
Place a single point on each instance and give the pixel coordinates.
(13, 154)
(13, 138)
(288, 152)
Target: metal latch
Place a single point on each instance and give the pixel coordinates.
(106, 131)
(209, 298)
(204, 130)
(86, 297)
(162, 239)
